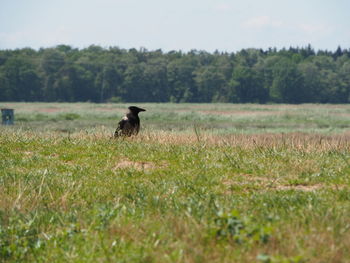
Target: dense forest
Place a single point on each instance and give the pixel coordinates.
(96, 74)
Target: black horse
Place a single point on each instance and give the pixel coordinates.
(130, 124)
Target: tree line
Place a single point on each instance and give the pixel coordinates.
(96, 74)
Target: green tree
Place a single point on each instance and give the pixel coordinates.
(287, 85)
(97, 74)
(248, 85)
(180, 78)
(19, 80)
(51, 63)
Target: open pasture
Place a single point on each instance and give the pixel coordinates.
(200, 183)
(210, 118)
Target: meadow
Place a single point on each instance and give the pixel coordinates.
(200, 183)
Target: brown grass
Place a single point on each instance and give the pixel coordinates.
(299, 141)
(243, 112)
(140, 166)
(248, 182)
(292, 141)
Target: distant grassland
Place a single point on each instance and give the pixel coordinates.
(200, 183)
(212, 118)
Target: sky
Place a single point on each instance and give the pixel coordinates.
(223, 25)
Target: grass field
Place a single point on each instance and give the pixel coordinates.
(200, 183)
(212, 118)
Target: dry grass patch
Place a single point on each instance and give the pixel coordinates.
(50, 110)
(243, 112)
(140, 166)
(298, 141)
(246, 178)
(300, 187)
(247, 182)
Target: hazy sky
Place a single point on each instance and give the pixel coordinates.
(225, 25)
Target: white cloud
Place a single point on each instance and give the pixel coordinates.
(224, 7)
(261, 22)
(314, 29)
